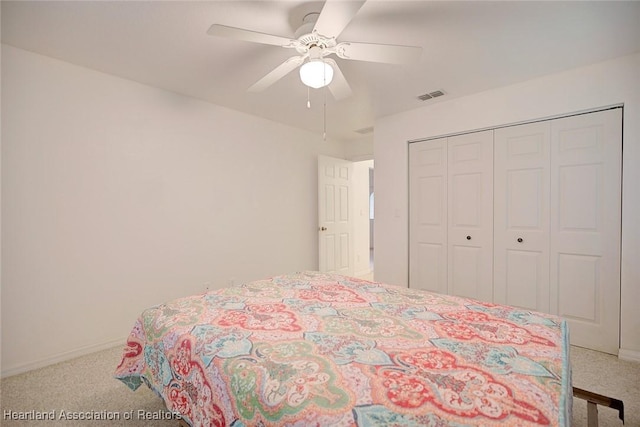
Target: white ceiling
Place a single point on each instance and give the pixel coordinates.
(468, 47)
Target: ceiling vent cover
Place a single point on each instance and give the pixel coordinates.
(430, 95)
(365, 131)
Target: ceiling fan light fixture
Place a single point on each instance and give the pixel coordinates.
(316, 73)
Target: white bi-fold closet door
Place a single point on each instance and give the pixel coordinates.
(557, 222)
(556, 200)
(451, 244)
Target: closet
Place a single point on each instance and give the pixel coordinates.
(526, 215)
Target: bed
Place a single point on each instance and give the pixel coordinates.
(315, 349)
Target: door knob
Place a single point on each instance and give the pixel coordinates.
(519, 239)
(323, 228)
(468, 237)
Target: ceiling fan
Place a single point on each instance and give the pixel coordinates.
(315, 41)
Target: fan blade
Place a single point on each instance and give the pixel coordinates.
(279, 72)
(335, 16)
(339, 87)
(390, 54)
(249, 36)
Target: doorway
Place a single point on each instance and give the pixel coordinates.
(364, 219)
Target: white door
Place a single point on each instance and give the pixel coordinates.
(428, 215)
(521, 216)
(335, 215)
(585, 226)
(470, 215)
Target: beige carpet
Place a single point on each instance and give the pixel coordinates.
(86, 384)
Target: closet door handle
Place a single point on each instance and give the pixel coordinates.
(468, 237)
(520, 240)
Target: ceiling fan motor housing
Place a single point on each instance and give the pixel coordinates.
(315, 53)
(309, 38)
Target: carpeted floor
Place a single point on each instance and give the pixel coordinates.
(86, 385)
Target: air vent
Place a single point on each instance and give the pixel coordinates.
(430, 95)
(365, 131)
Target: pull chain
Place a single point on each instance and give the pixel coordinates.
(324, 106)
(324, 115)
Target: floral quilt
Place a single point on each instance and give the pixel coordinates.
(314, 349)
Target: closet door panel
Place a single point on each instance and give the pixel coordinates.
(470, 215)
(466, 270)
(521, 216)
(524, 277)
(585, 226)
(428, 215)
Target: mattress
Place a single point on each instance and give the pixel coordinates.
(310, 349)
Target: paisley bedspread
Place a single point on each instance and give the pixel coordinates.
(313, 349)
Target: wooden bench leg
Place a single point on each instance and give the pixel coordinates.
(595, 399)
(592, 414)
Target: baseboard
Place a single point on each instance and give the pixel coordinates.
(629, 355)
(61, 357)
(362, 272)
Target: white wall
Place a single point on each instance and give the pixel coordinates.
(117, 196)
(359, 149)
(603, 84)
